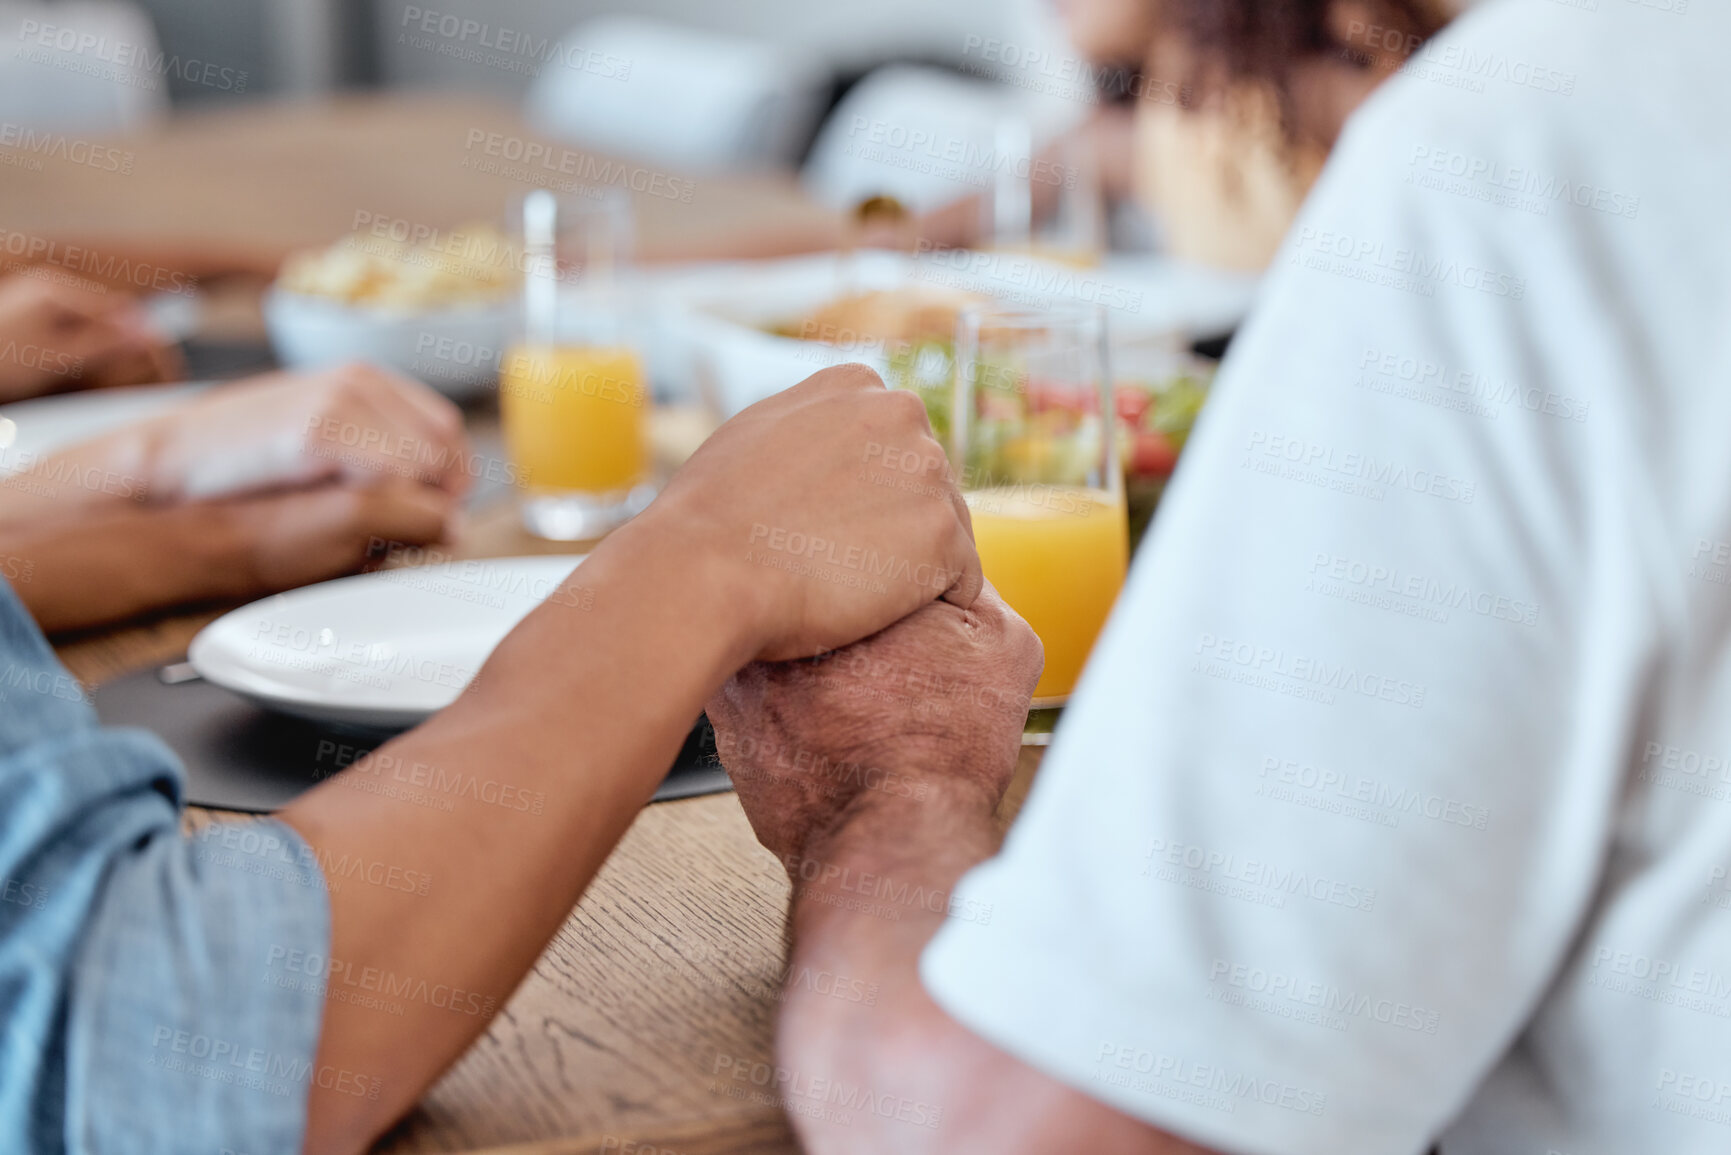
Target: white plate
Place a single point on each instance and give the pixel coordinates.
(30, 430)
(384, 649)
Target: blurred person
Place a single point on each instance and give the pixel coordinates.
(251, 488)
(136, 1018)
(1391, 811)
(1220, 125)
(61, 332)
(1238, 115)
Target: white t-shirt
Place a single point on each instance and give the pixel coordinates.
(1395, 806)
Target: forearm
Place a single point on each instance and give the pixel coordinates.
(576, 716)
(880, 888)
(88, 567)
(114, 470)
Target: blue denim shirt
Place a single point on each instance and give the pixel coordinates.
(136, 988)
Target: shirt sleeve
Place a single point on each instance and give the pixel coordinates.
(1336, 788)
(137, 1012)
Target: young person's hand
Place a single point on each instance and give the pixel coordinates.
(356, 422)
(356, 425)
(71, 334)
(94, 566)
(827, 510)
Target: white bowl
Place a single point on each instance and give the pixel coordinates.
(713, 321)
(457, 351)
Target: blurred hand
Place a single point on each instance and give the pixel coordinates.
(828, 508)
(69, 334)
(293, 539)
(356, 423)
(92, 566)
(941, 695)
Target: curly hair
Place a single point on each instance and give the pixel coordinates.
(1261, 41)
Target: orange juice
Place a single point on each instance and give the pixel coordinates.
(575, 417)
(1058, 555)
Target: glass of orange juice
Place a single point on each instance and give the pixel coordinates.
(1033, 442)
(573, 397)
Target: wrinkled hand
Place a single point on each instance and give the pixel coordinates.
(828, 509)
(940, 696)
(356, 423)
(70, 334)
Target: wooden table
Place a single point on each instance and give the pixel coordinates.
(234, 191)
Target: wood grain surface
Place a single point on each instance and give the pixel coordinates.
(234, 191)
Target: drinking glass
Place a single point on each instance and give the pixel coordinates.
(1033, 444)
(573, 398)
(1047, 205)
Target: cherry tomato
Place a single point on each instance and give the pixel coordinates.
(1153, 455)
(1132, 402)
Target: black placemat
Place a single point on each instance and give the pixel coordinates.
(241, 757)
